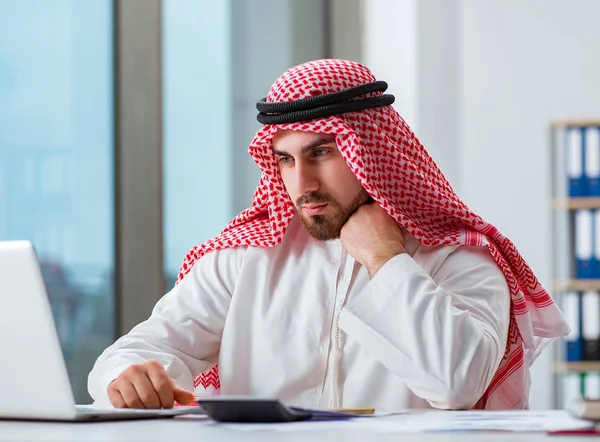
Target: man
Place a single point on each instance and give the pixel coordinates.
(356, 279)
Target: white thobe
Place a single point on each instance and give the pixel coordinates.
(304, 322)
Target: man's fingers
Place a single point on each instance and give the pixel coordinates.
(115, 398)
(130, 395)
(182, 396)
(162, 384)
(147, 385)
(146, 391)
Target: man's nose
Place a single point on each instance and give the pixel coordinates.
(306, 179)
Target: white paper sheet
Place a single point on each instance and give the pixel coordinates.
(435, 421)
(509, 421)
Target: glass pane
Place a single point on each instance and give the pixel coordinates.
(197, 125)
(56, 162)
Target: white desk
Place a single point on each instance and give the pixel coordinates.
(188, 430)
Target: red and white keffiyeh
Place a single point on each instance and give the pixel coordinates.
(395, 169)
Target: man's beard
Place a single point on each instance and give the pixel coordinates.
(328, 227)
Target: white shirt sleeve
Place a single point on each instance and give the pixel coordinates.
(443, 334)
(184, 330)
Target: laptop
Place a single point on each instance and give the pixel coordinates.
(34, 383)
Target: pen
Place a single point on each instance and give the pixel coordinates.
(354, 410)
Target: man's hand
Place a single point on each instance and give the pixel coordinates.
(147, 385)
(372, 237)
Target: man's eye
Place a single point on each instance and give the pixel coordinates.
(319, 152)
(285, 160)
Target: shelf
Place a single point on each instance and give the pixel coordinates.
(578, 122)
(576, 203)
(577, 285)
(577, 367)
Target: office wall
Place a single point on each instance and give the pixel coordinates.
(413, 46)
(389, 49)
(437, 71)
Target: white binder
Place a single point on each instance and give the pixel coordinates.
(584, 245)
(592, 161)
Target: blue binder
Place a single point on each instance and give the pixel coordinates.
(584, 244)
(572, 311)
(576, 162)
(591, 146)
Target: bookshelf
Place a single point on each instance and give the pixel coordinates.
(577, 367)
(575, 210)
(578, 285)
(576, 203)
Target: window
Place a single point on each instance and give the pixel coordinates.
(56, 162)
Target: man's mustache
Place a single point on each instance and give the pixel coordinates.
(323, 198)
(314, 198)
